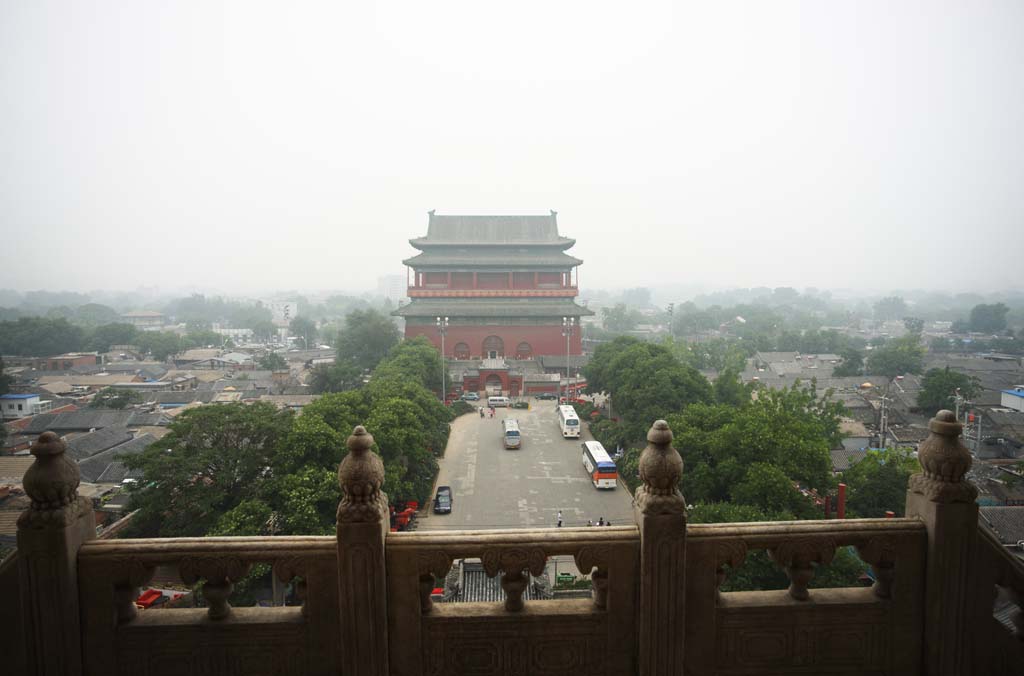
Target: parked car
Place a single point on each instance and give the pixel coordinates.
(443, 500)
(547, 395)
(470, 396)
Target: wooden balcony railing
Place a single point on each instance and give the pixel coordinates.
(946, 597)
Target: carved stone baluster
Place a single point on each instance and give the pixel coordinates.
(944, 500)
(512, 561)
(880, 552)
(362, 579)
(131, 575)
(798, 558)
(220, 574)
(433, 564)
(50, 533)
(731, 554)
(593, 560)
(293, 568)
(660, 513)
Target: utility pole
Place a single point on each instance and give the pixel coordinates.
(442, 328)
(883, 427)
(567, 324)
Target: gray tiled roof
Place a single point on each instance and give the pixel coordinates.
(86, 445)
(492, 307)
(476, 586)
(87, 419)
(492, 230)
(186, 397)
(1007, 522)
(843, 459)
(107, 464)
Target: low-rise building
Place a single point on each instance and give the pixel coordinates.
(1013, 398)
(146, 320)
(14, 406)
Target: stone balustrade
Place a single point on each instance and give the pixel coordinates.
(299, 639)
(656, 605)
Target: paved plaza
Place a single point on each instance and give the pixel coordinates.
(525, 488)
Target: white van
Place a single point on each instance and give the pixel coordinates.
(495, 402)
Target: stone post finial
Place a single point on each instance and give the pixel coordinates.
(52, 484)
(361, 475)
(944, 461)
(661, 468)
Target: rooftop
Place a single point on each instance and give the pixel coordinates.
(488, 230)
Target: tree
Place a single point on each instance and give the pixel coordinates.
(914, 324)
(113, 397)
(988, 318)
(214, 459)
(619, 318)
(878, 483)
(729, 389)
(40, 337)
(337, 377)
(897, 357)
(272, 361)
(645, 381)
(415, 360)
(852, 364)
(939, 386)
(892, 307)
(160, 344)
(94, 314)
(103, 337)
(790, 429)
(304, 328)
(366, 338)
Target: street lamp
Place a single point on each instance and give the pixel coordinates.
(567, 324)
(442, 328)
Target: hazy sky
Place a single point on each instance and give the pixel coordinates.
(246, 146)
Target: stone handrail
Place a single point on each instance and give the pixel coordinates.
(782, 631)
(998, 590)
(431, 634)
(111, 573)
(798, 546)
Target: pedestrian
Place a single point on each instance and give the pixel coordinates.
(608, 522)
(492, 411)
(590, 522)
(600, 521)
(559, 518)
(481, 409)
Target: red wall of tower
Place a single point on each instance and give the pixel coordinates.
(543, 339)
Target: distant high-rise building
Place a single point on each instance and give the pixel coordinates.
(282, 311)
(392, 287)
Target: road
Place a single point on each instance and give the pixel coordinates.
(525, 488)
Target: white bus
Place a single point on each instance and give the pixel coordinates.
(510, 433)
(569, 422)
(599, 465)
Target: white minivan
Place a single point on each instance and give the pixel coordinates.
(495, 402)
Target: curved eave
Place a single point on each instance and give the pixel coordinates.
(495, 265)
(490, 309)
(422, 243)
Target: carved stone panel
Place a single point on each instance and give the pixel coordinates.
(851, 639)
(556, 645)
(231, 649)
